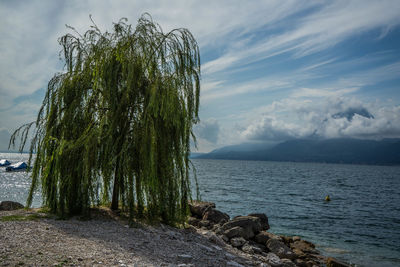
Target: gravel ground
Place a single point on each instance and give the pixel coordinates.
(107, 241)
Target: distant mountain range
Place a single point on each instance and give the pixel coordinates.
(351, 151)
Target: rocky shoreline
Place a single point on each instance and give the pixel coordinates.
(250, 235)
(33, 238)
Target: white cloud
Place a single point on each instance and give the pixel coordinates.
(324, 118)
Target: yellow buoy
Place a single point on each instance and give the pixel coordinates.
(327, 198)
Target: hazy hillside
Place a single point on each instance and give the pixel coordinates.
(355, 151)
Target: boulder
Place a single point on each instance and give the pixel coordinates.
(299, 253)
(280, 249)
(264, 220)
(238, 241)
(197, 208)
(286, 239)
(205, 223)
(264, 236)
(287, 263)
(225, 238)
(331, 262)
(259, 247)
(251, 249)
(10, 205)
(273, 260)
(215, 216)
(248, 249)
(236, 231)
(212, 237)
(193, 221)
(301, 263)
(251, 225)
(304, 246)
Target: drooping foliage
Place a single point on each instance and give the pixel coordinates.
(116, 125)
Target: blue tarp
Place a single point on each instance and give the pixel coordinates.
(19, 166)
(4, 162)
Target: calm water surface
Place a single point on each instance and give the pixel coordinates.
(361, 223)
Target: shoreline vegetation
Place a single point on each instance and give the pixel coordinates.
(32, 237)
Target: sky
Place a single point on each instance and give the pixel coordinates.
(271, 70)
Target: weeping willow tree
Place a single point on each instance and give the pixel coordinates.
(115, 127)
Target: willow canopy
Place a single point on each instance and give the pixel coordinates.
(116, 125)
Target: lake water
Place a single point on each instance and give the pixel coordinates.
(361, 223)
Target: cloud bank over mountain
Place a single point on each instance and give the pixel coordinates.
(339, 117)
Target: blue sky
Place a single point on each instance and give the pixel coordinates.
(271, 70)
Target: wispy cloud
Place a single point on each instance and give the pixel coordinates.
(227, 90)
(322, 29)
(327, 92)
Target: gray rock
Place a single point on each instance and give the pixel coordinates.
(248, 249)
(280, 249)
(234, 232)
(197, 208)
(238, 241)
(251, 225)
(257, 249)
(264, 236)
(10, 205)
(273, 260)
(218, 230)
(205, 223)
(215, 216)
(287, 263)
(215, 228)
(264, 220)
(193, 221)
(225, 238)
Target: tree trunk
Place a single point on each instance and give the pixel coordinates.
(115, 195)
